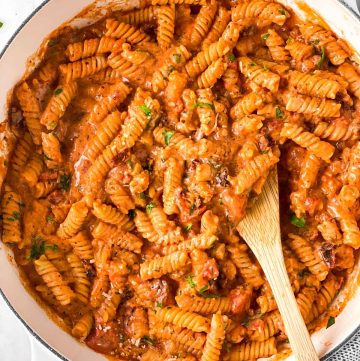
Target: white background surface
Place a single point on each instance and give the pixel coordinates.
(16, 343)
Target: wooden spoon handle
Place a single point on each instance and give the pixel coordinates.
(275, 271)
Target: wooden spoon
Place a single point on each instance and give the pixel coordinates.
(260, 229)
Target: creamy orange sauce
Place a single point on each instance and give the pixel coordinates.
(209, 200)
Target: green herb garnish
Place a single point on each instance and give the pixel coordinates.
(279, 113)
(65, 182)
(266, 151)
(15, 216)
(148, 341)
(132, 213)
(146, 110)
(204, 105)
(177, 58)
(315, 42)
(265, 36)
(330, 322)
(190, 281)
(58, 91)
(192, 208)
(252, 63)
(289, 40)
(205, 294)
(167, 137)
(323, 58)
(150, 207)
(283, 12)
(297, 222)
(142, 195)
(159, 304)
(188, 227)
(49, 219)
(37, 247)
(1, 24)
(231, 57)
(46, 157)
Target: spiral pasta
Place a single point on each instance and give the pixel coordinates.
(181, 318)
(311, 32)
(163, 265)
(117, 94)
(166, 23)
(215, 51)
(108, 307)
(215, 338)
(31, 109)
(203, 23)
(306, 255)
(260, 9)
(276, 45)
(51, 148)
(83, 68)
(21, 153)
(83, 326)
(308, 140)
(125, 32)
(298, 50)
(57, 105)
(204, 305)
(259, 75)
(348, 72)
(54, 280)
(33, 169)
(253, 350)
(336, 131)
(82, 246)
(211, 75)
(221, 20)
(73, 221)
(91, 47)
(252, 172)
(10, 208)
(137, 17)
(246, 105)
(106, 132)
(82, 284)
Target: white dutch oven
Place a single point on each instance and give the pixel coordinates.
(24, 44)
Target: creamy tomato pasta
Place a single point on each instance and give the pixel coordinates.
(140, 142)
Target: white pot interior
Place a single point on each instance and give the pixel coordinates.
(13, 64)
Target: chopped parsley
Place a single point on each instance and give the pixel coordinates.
(1, 24)
(46, 157)
(142, 195)
(330, 322)
(65, 182)
(188, 227)
(322, 59)
(279, 113)
(146, 110)
(150, 207)
(283, 12)
(37, 247)
(205, 294)
(132, 213)
(315, 42)
(167, 136)
(265, 36)
(204, 105)
(53, 42)
(297, 222)
(159, 304)
(289, 40)
(58, 91)
(15, 216)
(266, 151)
(192, 208)
(303, 273)
(147, 340)
(177, 58)
(190, 281)
(231, 57)
(252, 63)
(49, 219)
